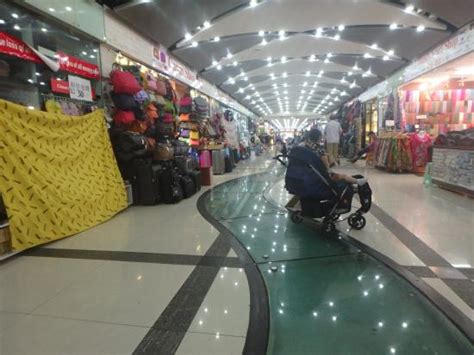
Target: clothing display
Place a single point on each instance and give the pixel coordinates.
(393, 152)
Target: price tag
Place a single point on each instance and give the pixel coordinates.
(79, 88)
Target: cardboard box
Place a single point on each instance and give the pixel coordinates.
(5, 235)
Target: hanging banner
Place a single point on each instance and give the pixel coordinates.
(79, 88)
(78, 66)
(16, 47)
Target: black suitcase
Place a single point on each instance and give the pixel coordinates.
(185, 164)
(228, 165)
(196, 176)
(188, 186)
(171, 189)
(147, 182)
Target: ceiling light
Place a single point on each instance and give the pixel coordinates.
(217, 39)
(420, 28)
(409, 8)
(16, 27)
(68, 8)
(264, 42)
(305, 83)
(374, 46)
(385, 57)
(326, 61)
(337, 37)
(214, 62)
(219, 67)
(44, 29)
(229, 55)
(283, 59)
(285, 85)
(356, 67)
(261, 33)
(307, 73)
(206, 24)
(51, 9)
(188, 36)
(14, 15)
(235, 63)
(246, 78)
(319, 31)
(312, 58)
(391, 52)
(281, 33)
(240, 91)
(341, 27)
(194, 44)
(315, 84)
(393, 26)
(284, 74)
(367, 55)
(2, 22)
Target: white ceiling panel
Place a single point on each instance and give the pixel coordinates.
(304, 15)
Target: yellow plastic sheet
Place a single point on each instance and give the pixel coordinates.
(58, 174)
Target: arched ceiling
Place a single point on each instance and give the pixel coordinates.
(252, 48)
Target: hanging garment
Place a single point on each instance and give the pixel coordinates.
(59, 176)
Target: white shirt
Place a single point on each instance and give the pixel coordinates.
(333, 131)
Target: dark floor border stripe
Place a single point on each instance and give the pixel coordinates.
(410, 240)
(138, 257)
(259, 319)
(167, 333)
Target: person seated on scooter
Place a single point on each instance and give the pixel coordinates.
(313, 142)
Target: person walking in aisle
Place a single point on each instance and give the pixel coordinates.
(332, 134)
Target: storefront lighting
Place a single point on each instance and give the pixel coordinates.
(194, 44)
(16, 27)
(68, 8)
(14, 15)
(84, 53)
(51, 9)
(92, 56)
(38, 74)
(465, 71)
(393, 26)
(420, 28)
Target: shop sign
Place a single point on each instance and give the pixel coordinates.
(79, 88)
(161, 59)
(458, 45)
(77, 66)
(16, 47)
(59, 86)
(181, 72)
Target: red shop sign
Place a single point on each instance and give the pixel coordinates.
(77, 66)
(16, 47)
(59, 86)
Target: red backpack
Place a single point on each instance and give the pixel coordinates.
(124, 82)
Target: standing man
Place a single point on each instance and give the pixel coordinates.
(332, 134)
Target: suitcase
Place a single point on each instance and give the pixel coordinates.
(206, 176)
(185, 164)
(228, 165)
(147, 182)
(188, 186)
(218, 162)
(196, 177)
(171, 190)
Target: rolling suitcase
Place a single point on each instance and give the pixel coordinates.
(196, 177)
(146, 181)
(171, 189)
(228, 165)
(188, 186)
(185, 164)
(218, 162)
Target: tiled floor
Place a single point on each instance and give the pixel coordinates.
(65, 305)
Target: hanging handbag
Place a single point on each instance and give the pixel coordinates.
(160, 100)
(124, 117)
(184, 117)
(165, 129)
(201, 105)
(184, 133)
(205, 159)
(124, 101)
(194, 135)
(138, 127)
(161, 87)
(168, 117)
(163, 152)
(150, 82)
(170, 107)
(151, 111)
(141, 96)
(124, 82)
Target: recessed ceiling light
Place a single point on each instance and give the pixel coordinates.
(187, 36)
(374, 46)
(235, 63)
(283, 59)
(391, 52)
(14, 15)
(219, 67)
(206, 24)
(194, 44)
(229, 55)
(341, 27)
(420, 28)
(409, 8)
(261, 33)
(393, 26)
(337, 37)
(217, 39)
(68, 8)
(44, 29)
(214, 62)
(16, 27)
(264, 42)
(51, 9)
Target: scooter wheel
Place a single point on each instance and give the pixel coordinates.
(357, 221)
(296, 217)
(328, 227)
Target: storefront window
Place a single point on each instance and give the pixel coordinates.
(37, 57)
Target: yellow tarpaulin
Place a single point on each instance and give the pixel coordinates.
(58, 174)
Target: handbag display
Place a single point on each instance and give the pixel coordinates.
(180, 148)
(141, 96)
(163, 152)
(160, 100)
(185, 164)
(152, 111)
(201, 105)
(124, 82)
(168, 117)
(184, 117)
(165, 129)
(170, 107)
(150, 82)
(194, 135)
(161, 87)
(124, 101)
(124, 117)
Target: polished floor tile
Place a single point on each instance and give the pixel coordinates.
(210, 344)
(119, 292)
(55, 336)
(349, 304)
(28, 282)
(225, 309)
(8, 320)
